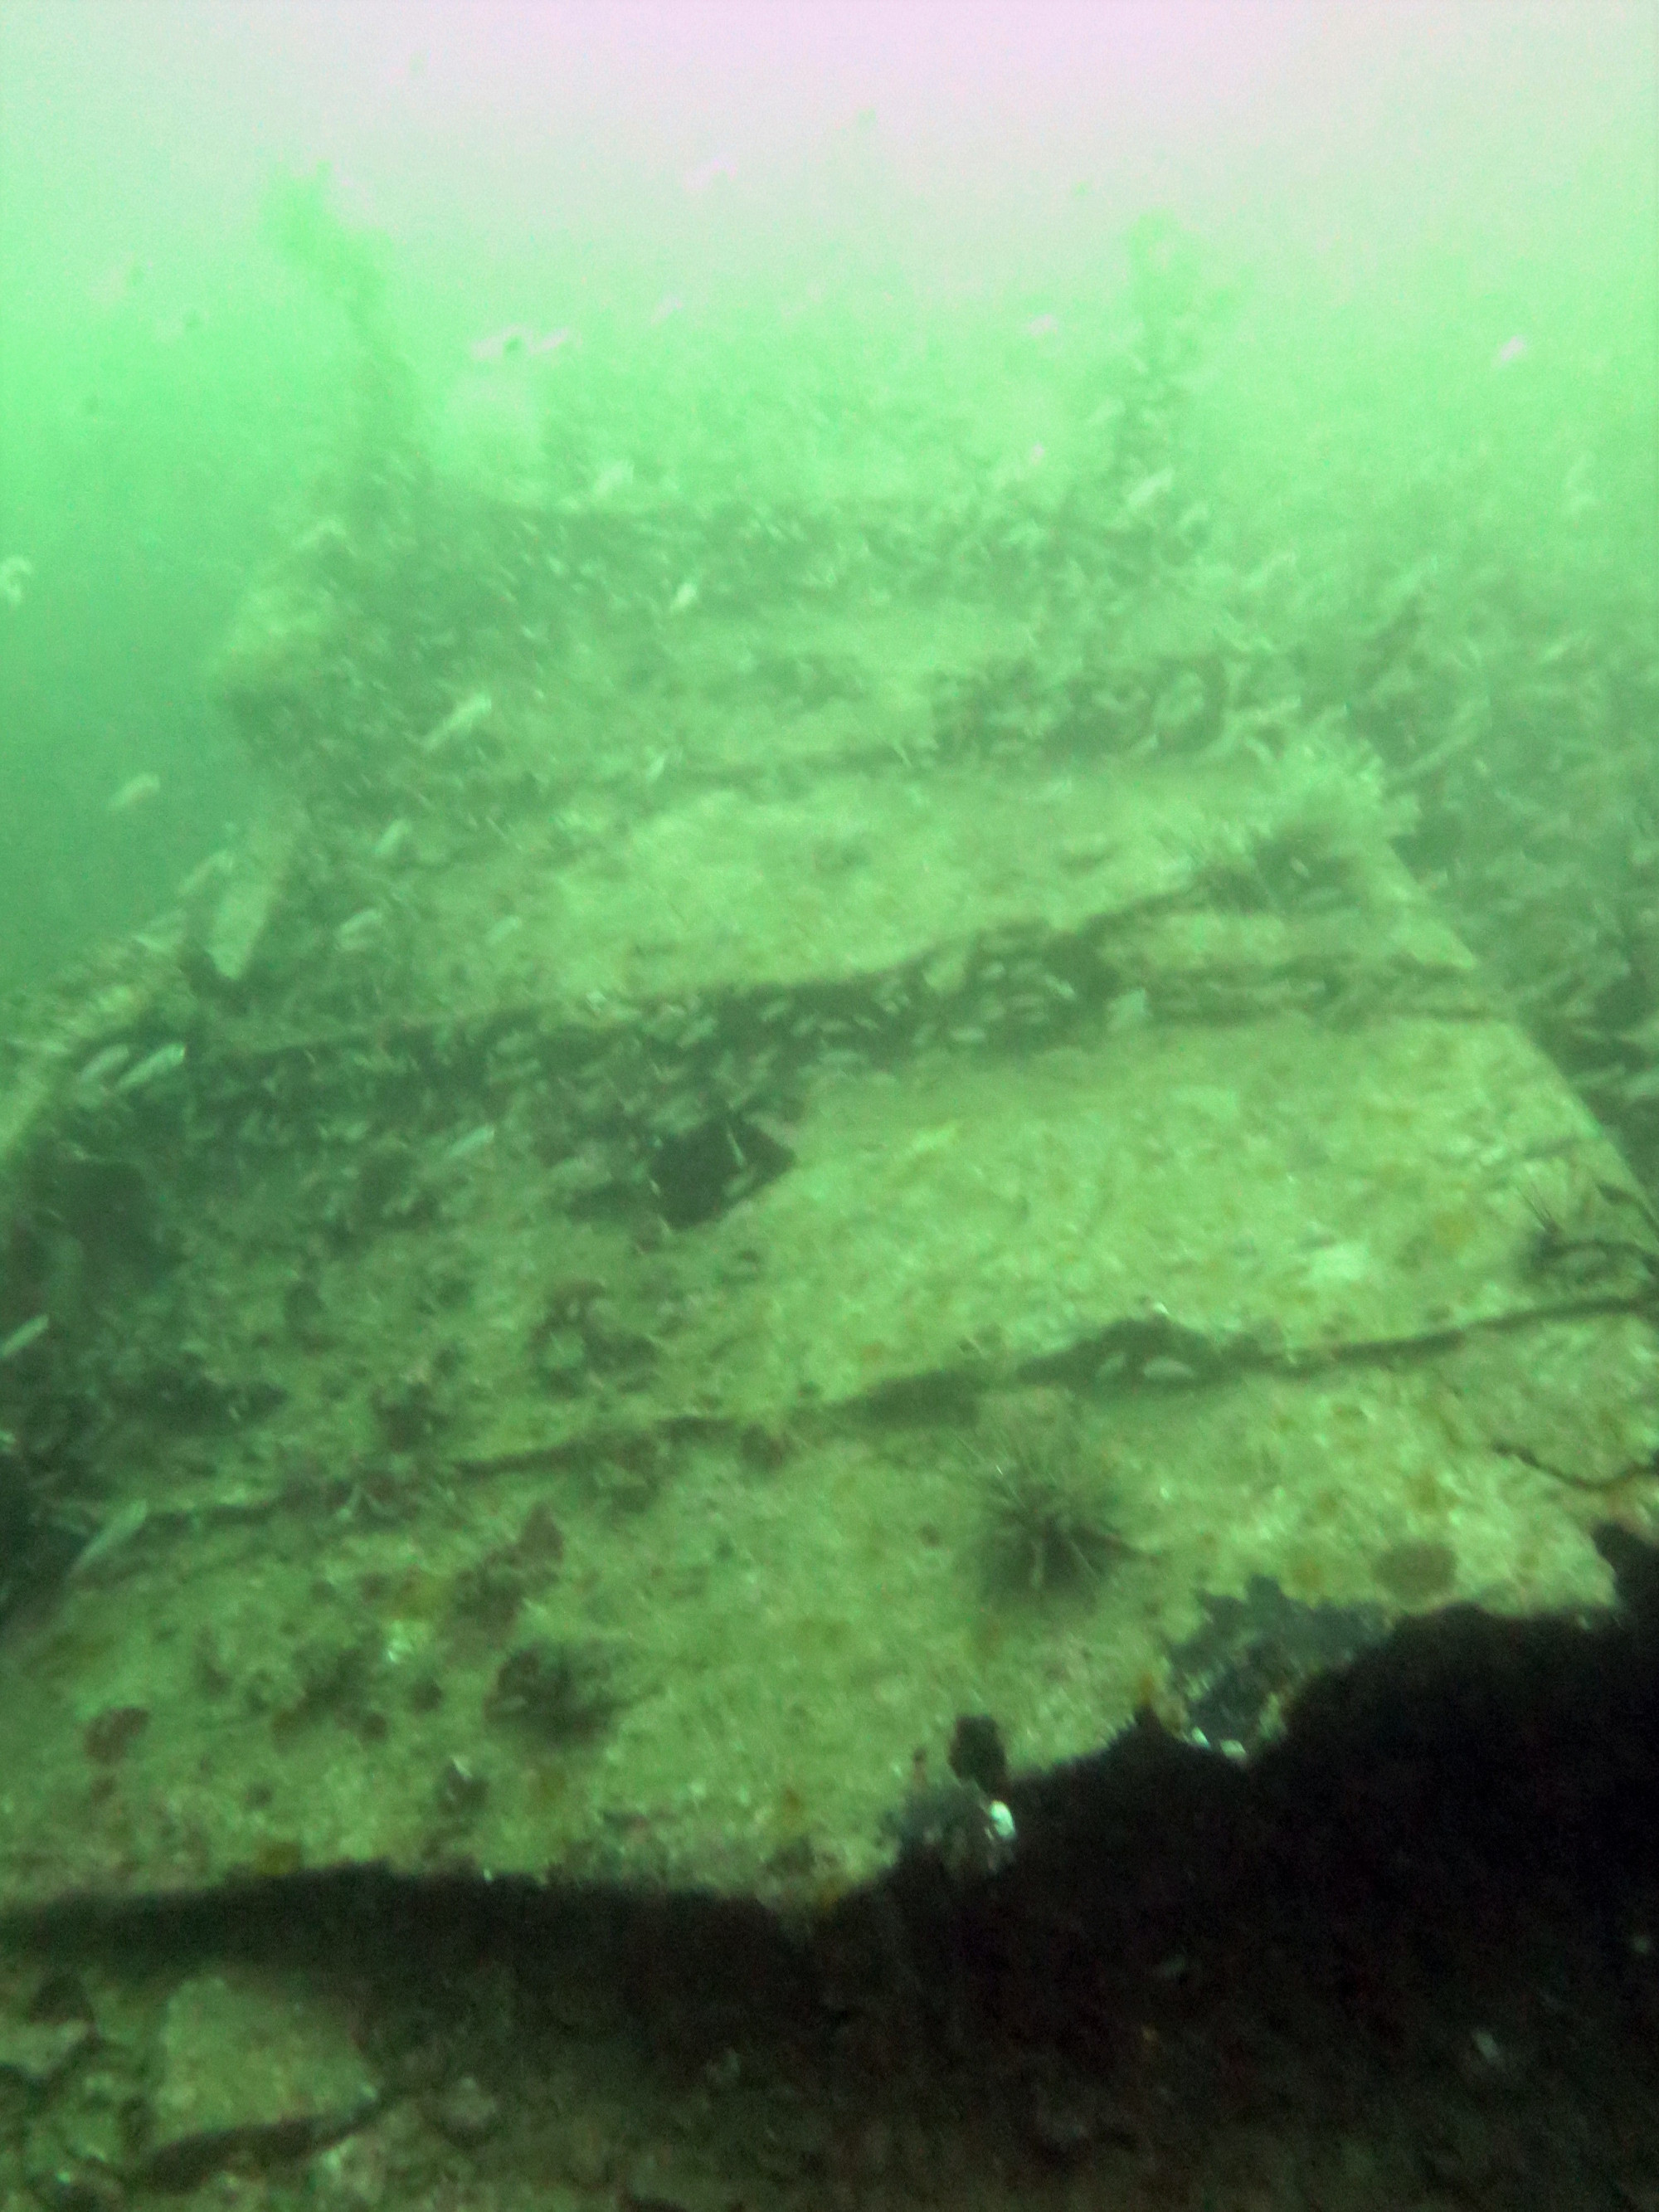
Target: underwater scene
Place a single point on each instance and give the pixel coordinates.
(829, 1104)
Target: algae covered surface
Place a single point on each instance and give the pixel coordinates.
(820, 1104)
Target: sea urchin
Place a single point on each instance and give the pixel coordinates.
(1047, 1523)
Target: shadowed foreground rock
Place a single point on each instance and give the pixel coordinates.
(1405, 1957)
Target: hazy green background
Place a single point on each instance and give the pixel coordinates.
(1405, 190)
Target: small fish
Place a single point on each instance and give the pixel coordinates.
(119, 282)
(136, 791)
(215, 868)
(102, 1065)
(359, 929)
(29, 1332)
(518, 343)
(1140, 496)
(1578, 496)
(503, 344)
(114, 1535)
(458, 722)
(1163, 1370)
(170, 330)
(162, 1061)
